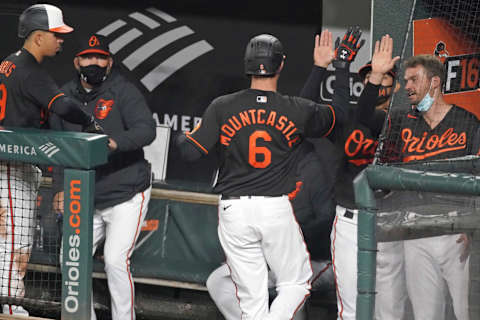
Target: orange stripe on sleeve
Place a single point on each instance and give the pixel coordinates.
(196, 142)
(333, 122)
(54, 98)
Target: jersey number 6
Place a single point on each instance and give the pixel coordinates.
(253, 150)
(3, 100)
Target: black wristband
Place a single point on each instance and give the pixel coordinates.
(339, 64)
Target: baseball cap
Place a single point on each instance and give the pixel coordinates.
(42, 17)
(362, 72)
(93, 43)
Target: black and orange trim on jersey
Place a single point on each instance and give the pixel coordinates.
(333, 121)
(187, 134)
(53, 99)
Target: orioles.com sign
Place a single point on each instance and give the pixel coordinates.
(73, 253)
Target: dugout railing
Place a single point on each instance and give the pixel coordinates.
(175, 253)
(441, 177)
(79, 154)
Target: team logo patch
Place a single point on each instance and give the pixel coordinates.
(102, 108)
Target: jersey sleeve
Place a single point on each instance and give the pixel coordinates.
(41, 88)
(139, 125)
(318, 119)
(341, 93)
(206, 134)
(475, 145)
(321, 118)
(311, 88)
(366, 112)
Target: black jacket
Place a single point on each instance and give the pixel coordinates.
(120, 108)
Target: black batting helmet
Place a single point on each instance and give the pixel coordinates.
(263, 55)
(42, 17)
(363, 71)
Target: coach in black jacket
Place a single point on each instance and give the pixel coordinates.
(123, 184)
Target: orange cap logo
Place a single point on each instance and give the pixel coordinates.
(93, 41)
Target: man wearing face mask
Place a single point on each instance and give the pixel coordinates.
(440, 131)
(123, 185)
(356, 143)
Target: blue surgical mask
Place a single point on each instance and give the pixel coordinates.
(427, 101)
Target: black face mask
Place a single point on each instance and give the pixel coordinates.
(93, 74)
(383, 94)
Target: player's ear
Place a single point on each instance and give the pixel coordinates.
(76, 63)
(397, 86)
(109, 64)
(37, 38)
(281, 64)
(436, 82)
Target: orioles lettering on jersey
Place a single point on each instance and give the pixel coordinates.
(257, 116)
(6, 67)
(357, 144)
(102, 108)
(428, 146)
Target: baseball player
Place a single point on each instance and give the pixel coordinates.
(27, 95)
(436, 263)
(257, 133)
(356, 143)
(379, 78)
(123, 184)
(312, 205)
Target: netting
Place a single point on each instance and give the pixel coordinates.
(430, 240)
(462, 14)
(29, 242)
(448, 30)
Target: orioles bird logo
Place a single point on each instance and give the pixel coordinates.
(102, 108)
(441, 51)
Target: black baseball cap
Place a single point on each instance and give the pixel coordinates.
(93, 43)
(42, 17)
(362, 72)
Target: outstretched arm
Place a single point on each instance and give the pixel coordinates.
(323, 55)
(345, 55)
(382, 63)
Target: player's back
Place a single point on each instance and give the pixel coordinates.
(22, 83)
(259, 135)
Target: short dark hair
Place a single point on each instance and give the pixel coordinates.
(433, 66)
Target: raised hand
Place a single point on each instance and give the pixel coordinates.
(347, 49)
(323, 53)
(382, 61)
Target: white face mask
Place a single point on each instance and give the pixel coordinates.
(426, 103)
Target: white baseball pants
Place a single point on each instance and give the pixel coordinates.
(433, 266)
(257, 233)
(19, 186)
(391, 297)
(222, 289)
(120, 227)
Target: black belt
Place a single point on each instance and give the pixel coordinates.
(225, 197)
(348, 214)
